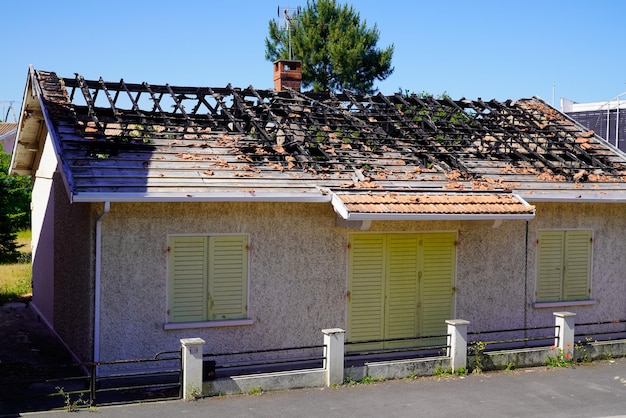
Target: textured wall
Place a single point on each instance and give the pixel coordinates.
(298, 271)
(297, 277)
(608, 279)
(73, 271)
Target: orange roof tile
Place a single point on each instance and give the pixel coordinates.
(468, 204)
(6, 127)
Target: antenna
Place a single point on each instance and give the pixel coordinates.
(9, 109)
(288, 18)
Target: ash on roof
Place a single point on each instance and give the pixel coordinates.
(329, 134)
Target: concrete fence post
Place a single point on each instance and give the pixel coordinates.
(334, 341)
(457, 329)
(191, 352)
(564, 333)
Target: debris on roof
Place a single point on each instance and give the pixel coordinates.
(139, 137)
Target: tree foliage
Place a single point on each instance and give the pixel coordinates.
(337, 50)
(15, 195)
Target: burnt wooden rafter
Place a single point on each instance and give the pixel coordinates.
(333, 132)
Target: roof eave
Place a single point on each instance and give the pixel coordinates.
(341, 209)
(579, 198)
(202, 197)
(436, 216)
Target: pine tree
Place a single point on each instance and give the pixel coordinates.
(337, 50)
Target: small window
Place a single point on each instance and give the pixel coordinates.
(564, 266)
(208, 278)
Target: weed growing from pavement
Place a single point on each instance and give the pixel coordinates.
(257, 390)
(559, 359)
(71, 405)
(477, 350)
(367, 380)
(582, 354)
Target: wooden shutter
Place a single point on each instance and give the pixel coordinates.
(366, 297)
(187, 279)
(550, 252)
(563, 265)
(401, 316)
(228, 277)
(438, 255)
(577, 265)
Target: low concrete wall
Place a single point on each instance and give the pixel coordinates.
(316, 378)
(498, 360)
(600, 350)
(265, 381)
(397, 369)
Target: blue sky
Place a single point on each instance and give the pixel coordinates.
(488, 49)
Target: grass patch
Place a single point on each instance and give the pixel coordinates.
(15, 279)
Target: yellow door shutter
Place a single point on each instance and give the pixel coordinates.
(228, 277)
(187, 284)
(550, 252)
(366, 297)
(401, 316)
(577, 265)
(438, 255)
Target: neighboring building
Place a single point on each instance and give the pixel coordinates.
(8, 131)
(246, 217)
(594, 115)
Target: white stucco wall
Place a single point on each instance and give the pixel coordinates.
(42, 221)
(298, 271)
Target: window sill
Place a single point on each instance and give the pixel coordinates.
(208, 324)
(565, 303)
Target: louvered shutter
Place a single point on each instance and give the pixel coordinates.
(438, 254)
(550, 253)
(577, 265)
(366, 298)
(228, 273)
(401, 319)
(187, 277)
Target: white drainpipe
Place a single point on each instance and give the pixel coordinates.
(96, 316)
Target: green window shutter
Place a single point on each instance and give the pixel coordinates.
(401, 319)
(577, 263)
(187, 279)
(228, 277)
(437, 282)
(366, 298)
(550, 253)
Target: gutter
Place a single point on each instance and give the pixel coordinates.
(96, 315)
(431, 217)
(294, 197)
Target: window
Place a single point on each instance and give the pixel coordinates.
(208, 278)
(564, 265)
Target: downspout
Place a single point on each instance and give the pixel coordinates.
(96, 315)
(526, 288)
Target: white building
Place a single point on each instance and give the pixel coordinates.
(607, 119)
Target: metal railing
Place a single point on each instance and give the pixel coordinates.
(406, 347)
(605, 331)
(25, 388)
(501, 343)
(236, 363)
(141, 385)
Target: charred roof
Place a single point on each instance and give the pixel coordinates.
(338, 140)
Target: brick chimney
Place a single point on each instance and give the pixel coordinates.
(287, 74)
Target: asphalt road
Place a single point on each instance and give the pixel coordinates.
(590, 390)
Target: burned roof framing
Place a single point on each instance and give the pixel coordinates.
(200, 138)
